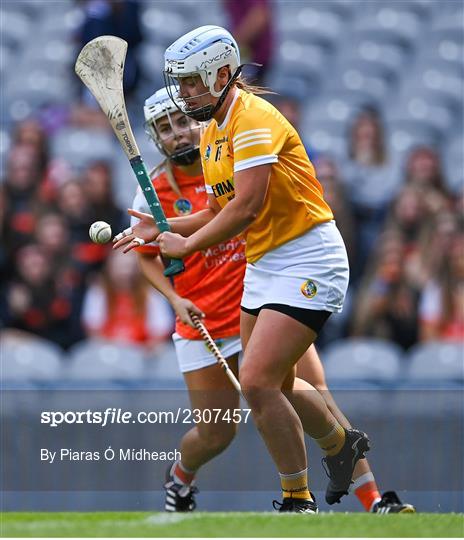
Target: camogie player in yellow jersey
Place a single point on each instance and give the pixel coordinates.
(261, 184)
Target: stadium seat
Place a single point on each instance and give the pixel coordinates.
(449, 24)
(368, 52)
(442, 52)
(14, 28)
(25, 357)
(162, 26)
(403, 136)
(98, 360)
(307, 61)
(37, 87)
(373, 84)
(291, 86)
(436, 363)
(454, 164)
(189, 14)
(455, 175)
(71, 17)
(388, 25)
(310, 26)
(425, 9)
(421, 109)
(441, 83)
(362, 359)
(162, 366)
(335, 107)
(325, 138)
(50, 54)
(30, 8)
(151, 60)
(6, 56)
(4, 148)
(345, 9)
(79, 146)
(369, 69)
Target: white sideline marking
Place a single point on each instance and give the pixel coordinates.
(166, 519)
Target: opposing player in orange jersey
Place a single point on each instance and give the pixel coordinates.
(211, 284)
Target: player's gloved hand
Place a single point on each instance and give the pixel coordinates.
(184, 308)
(173, 245)
(143, 232)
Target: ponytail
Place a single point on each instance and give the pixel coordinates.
(244, 85)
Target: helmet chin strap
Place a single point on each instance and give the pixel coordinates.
(226, 89)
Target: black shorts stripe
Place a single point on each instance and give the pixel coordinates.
(312, 318)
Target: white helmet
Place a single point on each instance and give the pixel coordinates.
(202, 52)
(159, 105)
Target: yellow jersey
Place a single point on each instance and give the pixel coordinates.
(255, 133)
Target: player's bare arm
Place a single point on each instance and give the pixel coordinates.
(250, 192)
(147, 230)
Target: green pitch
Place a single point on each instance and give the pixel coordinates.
(233, 524)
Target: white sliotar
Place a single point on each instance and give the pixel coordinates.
(100, 232)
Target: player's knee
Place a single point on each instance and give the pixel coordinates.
(253, 378)
(323, 389)
(257, 390)
(249, 381)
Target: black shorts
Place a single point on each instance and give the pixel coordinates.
(311, 318)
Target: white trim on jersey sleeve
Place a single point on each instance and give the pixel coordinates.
(257, 137)
(208, 188)
(262, 131)
(253, 143)
(254, 162)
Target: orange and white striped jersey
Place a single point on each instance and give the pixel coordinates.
(255, 133)
(213, 278)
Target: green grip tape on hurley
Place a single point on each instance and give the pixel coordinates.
(176, 266)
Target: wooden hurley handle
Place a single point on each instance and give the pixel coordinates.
(215, 351)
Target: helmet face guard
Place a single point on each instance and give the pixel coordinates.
(162, 106)
(186, 155)
(205, 112)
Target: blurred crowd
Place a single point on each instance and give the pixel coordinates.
(403, 228)
(406, 244)
(56, 282)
